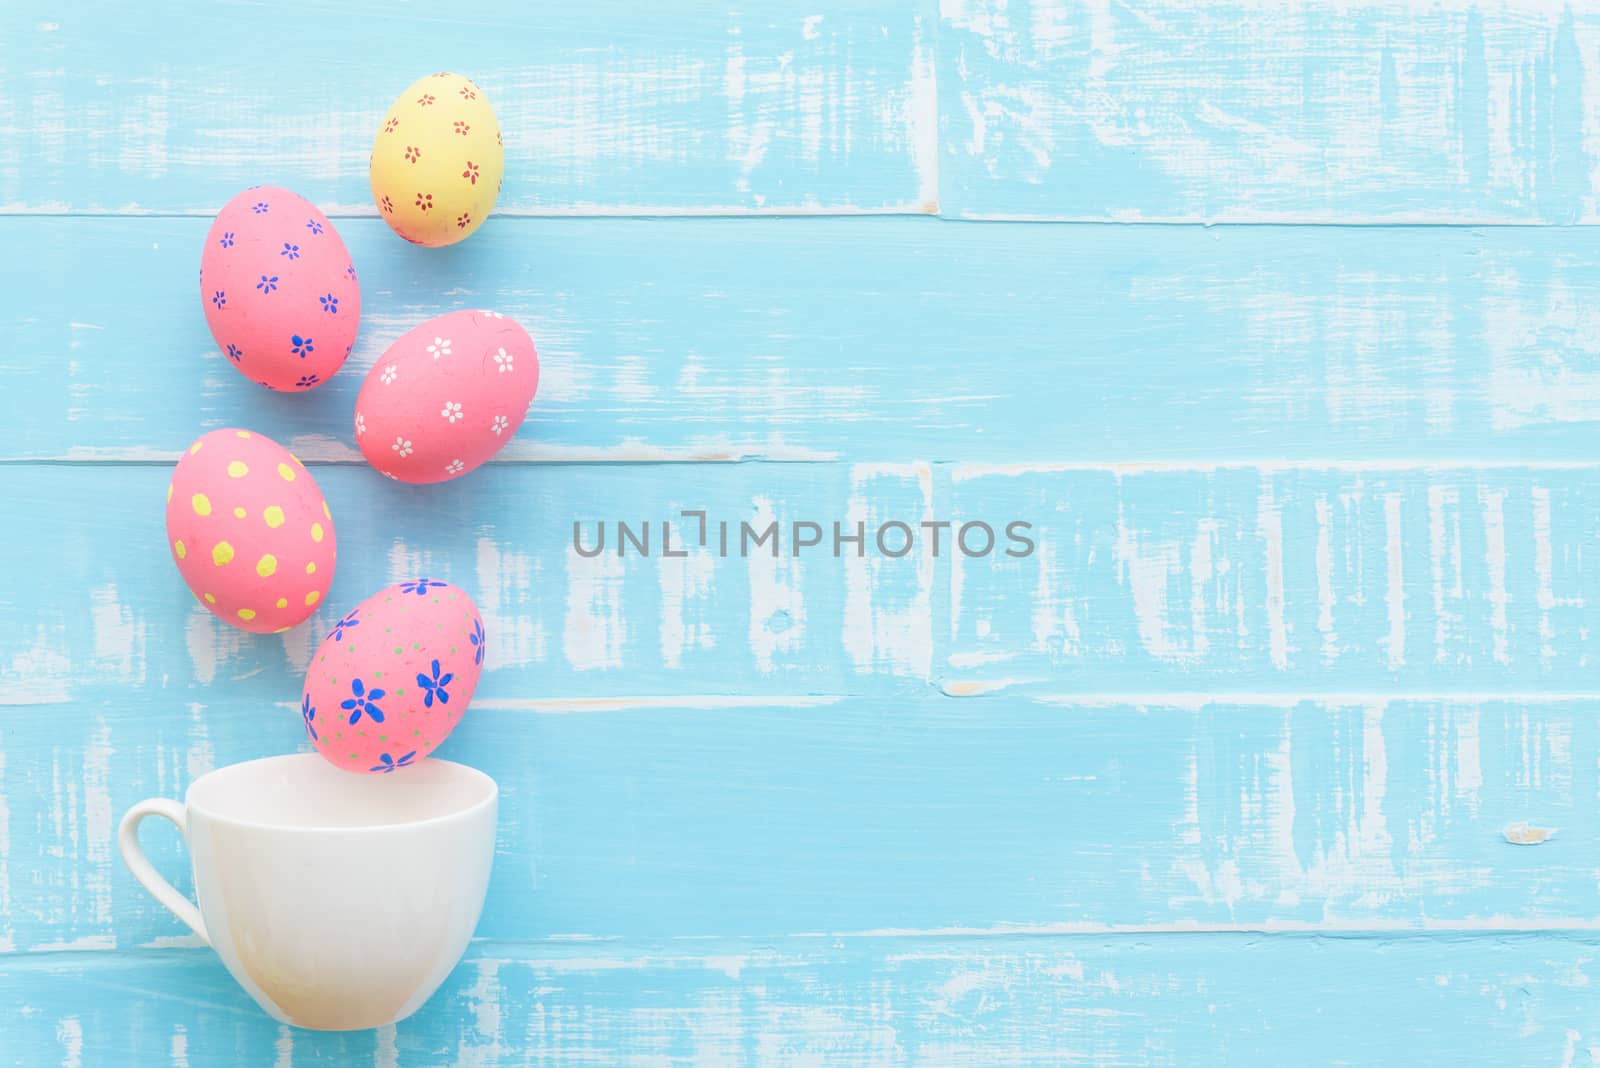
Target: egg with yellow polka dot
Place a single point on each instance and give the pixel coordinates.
(437, 161)
(250, 531)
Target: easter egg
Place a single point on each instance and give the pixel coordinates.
(279, 290)
(437, 161)
(250, 531)
(447, 396)
(394, 676)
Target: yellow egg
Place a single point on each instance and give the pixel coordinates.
(437, 161)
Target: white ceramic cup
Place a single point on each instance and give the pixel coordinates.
(338, 901)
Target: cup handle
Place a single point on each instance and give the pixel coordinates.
(145, 872)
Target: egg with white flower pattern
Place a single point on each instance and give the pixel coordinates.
(447, 396)
(393, 677)
(250, 531)
(279, 290)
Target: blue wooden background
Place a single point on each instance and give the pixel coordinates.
(1282, 749)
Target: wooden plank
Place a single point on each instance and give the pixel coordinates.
(692, 817)
(746, 707)
(1242, 111)
(1205, 999)
(1242, 580)
(607, 107)
(1376, 579)
(95, 606)
(882, 339)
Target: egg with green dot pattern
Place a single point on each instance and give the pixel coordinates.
(393, 677)
(250, 531)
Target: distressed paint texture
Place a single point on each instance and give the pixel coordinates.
(606, 107)
(1197, 999)
(1281, 748)
(790, 340)
(1253, 111)
(1233, 580)
(1129, 816)
(1329, 579)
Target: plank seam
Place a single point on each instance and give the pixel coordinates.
(960, 470)
(930, 209)
(676, 948)
(1181, 699)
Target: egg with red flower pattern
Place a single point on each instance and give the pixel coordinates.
(393, 677)
(279, 290)
(437, 161)
(250, 531)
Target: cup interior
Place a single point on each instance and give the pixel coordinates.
(304, 792)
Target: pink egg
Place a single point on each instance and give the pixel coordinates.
(279, 289)
(447, 396)
(393, 678)
(250, 531)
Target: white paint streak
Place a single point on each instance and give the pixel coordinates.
(596, 629)
(1395, 596)
(777, 606)
(1542, 353)
(1146, 566)
(1055, 624)
(284, 1048)
(886, 626)
(96, 861)
(1323, 557)
(507, 578)
(1202, 572)
(1544, 560)
(91, 943)
(1374, 831)
(1144, 572)
(1252, 698)
(211, 643)
(299, 642)
(1438, 497)
(1475, 925)
(69, 1032)
(7, 931)
(119, 637)
(483, 1049)
(386, 1052)
(315, 449)
(200, 758)
(967, 471)
(576, 210)
(687, 590)
(1269, 526)
(40, 673)
(1469, 769)
(921, 119)
(569, 705)
(1277, 813)
(179, 941)
(1494, 554)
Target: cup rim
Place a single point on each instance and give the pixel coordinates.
(490, 797)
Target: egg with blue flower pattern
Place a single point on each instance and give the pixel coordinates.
(279, 291)
(393, 677)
